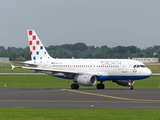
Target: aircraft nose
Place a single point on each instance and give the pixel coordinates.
(148, 72)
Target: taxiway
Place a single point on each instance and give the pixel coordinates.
(82, 98)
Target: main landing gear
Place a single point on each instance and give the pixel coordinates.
(74, 86)
(100, 86)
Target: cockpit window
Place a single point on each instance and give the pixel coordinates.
(143, 66)
(139, 66)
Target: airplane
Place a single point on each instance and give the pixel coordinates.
(86, 72)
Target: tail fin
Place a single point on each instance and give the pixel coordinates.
(37, 50)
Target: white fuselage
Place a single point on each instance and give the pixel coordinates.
(104, 69)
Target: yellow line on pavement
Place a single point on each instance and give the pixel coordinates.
(101, 95)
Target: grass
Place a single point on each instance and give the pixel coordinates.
(154, 67)
(77, 114)
(6, 68)
(152, 82)
(45, 81)
(33, 81)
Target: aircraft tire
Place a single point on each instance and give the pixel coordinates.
(100, 86)
(130, 87)
(74, 86)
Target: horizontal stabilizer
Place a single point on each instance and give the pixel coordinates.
(15, 66)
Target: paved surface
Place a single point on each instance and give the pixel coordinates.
(82, 98)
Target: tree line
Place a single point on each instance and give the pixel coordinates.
(81, 50)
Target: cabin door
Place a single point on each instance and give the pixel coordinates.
(125, 66)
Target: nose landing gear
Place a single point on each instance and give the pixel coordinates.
(130, 87)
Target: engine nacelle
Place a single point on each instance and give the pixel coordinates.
(86, 80)
(124, 82)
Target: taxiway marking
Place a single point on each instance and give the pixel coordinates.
(101, 95)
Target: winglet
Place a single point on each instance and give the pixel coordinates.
(13, 66)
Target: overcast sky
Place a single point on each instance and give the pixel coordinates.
(93, 22)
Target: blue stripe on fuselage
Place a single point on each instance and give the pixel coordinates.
(105, 78)
(101, 78)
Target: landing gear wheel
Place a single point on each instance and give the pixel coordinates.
(74, 86)
(130, 87)
(100, 86)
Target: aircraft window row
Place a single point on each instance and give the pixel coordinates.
(106, 66)
(82, 66)
(139, 66)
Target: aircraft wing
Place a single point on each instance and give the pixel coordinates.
(59, 71)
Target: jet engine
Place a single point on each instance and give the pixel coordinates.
(124, 82)
(86, 80)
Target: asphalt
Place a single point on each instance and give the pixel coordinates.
(81, 98)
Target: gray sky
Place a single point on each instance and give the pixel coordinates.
(93, 22)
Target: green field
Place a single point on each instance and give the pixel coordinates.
(46, 81)
(154, 67)
(6, 68)
(77, 114)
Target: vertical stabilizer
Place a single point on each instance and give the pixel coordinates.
(37, 50)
